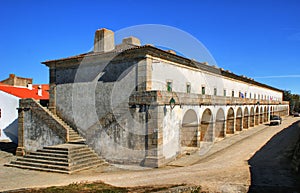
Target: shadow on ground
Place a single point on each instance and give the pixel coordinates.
(270, 167)
(8, 147)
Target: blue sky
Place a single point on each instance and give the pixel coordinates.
(256, 38)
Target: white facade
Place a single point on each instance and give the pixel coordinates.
(214, 84)
(9, 117)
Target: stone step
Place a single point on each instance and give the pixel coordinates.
(75, 138)
(46, 158)
(44, 161)
(71, 149)
(80, 152)
(82, 156)
(73, 135)
(81, 161)
(66, 147)
(77, 142)
(53, 151)
(87, 166)
(37, 168)
(40, 165)
(64, 158)
(49, 154)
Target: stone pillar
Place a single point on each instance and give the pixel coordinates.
(144, 75)
(154, 146)
(225, 127)
(246, 121)
(20, 149)
(141, 75)
(52, 92)
(148, 74)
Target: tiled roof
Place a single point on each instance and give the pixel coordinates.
(23, 92)
(149, 49)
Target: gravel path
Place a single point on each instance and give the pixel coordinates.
(226, 168)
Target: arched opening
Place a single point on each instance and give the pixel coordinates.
(271, 111)
(206, 126)
(246, 119)
(220, 124)
(261, 115)
(265, 115)
(239, 118)
(230, 122)
(256, 116)
(252, 117)
(189, 130)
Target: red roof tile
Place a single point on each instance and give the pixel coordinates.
(23, 92)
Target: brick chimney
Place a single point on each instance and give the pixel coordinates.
(104, 40)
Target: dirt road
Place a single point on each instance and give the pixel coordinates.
(256, 162)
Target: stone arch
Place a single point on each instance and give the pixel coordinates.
(220, 124)
(268, 113)
(230, 121)
(256, 121)
(189, 129)
(265, 114)
(206, 133)
(239, 120)
(246, 118)
(261, 115)
(252, 121)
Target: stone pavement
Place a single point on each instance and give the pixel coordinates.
(217, 146)
(227, 169)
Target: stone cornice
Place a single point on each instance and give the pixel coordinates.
(163, 98)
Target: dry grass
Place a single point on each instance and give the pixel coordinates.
(105, 188)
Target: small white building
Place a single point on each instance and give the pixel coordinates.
(10, 94)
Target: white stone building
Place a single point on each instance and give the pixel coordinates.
(142, 105)
(10, 93)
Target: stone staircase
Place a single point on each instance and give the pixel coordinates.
(64, 158)
(72, 156)
(74, 137)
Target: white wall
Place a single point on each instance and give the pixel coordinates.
(9, 117)
(163, 71)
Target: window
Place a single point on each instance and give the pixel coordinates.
(250, 96)
(203, 90)
(224, 92)
(0, 114)
(188, 87)
(241, 95)
(215, 91)
(232, 93)
(245, 94)
(169, 86)
(254, 96)
(258, 97)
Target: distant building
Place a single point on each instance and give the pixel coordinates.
(11, 90)
(14, 80)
